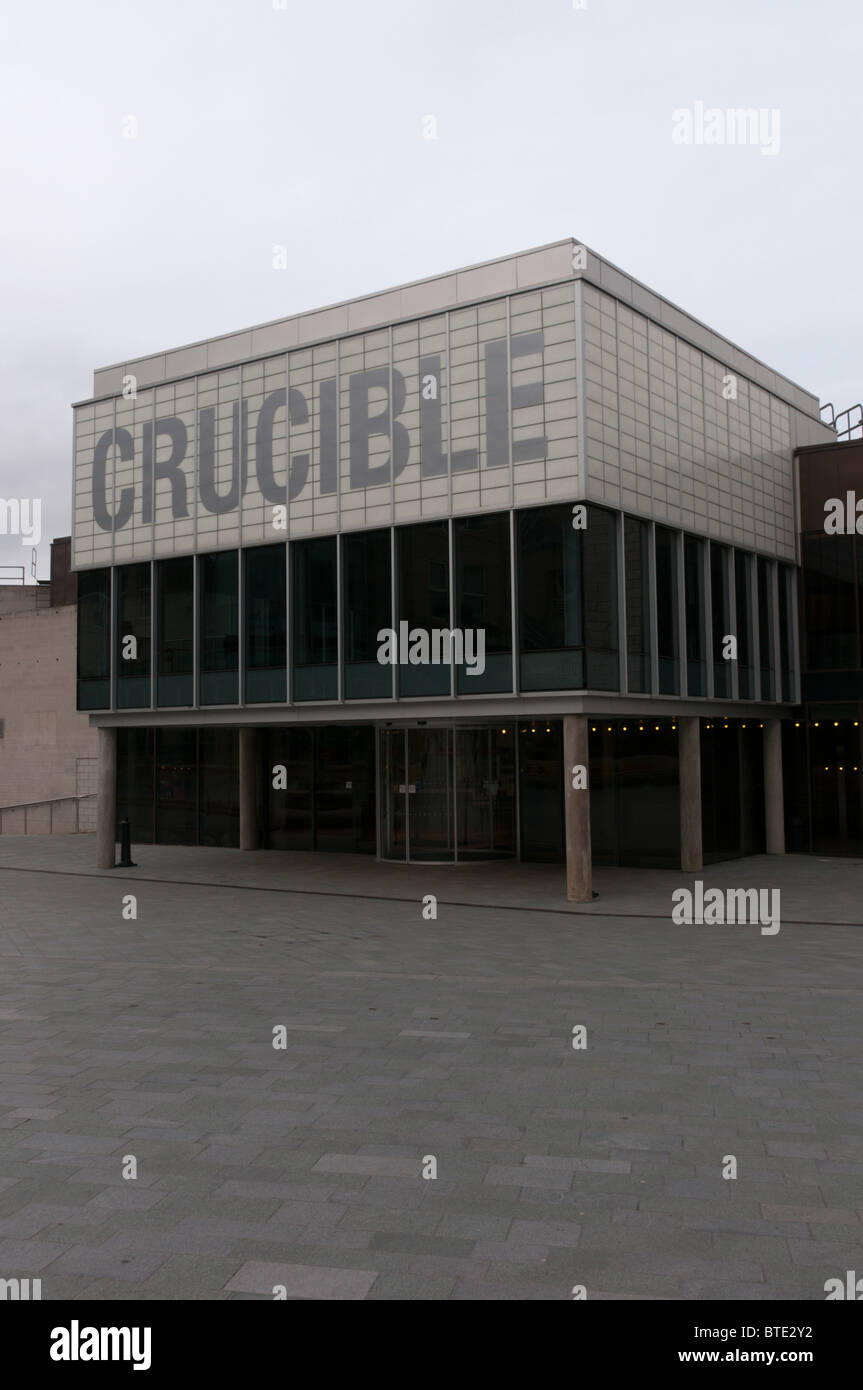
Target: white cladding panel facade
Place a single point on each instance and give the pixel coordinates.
(556, 383)
(455, 385)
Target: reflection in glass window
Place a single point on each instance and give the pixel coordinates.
(696, 634)
(743, 629)
(218, 588)
(133, 622)
(831, 612)
(174, 624)
(265, 610)
(482, 597)
(314, 619)
(719, 599)
(551, 627)
(636, 542)
(423, 599)
(367, 609)
(766, 629)
(94, 638)
(667, 611)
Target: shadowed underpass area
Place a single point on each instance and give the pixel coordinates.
(408, 1040)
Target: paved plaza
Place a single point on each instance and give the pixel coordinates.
(409, 1040)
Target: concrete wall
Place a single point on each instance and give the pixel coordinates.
(47, 747)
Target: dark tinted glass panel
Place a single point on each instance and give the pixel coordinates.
(786, 627)
(551, 628)
(344, 791)
(745, 669)
(766, 629)
(721, 628)
(540, 770)
(218, 788)
(636, 538)
(831, 609)
(634, 776)
(423, 600)
(288, 756)
(218, 589)
(174, 619)
(696, 635)
(264, 611)
(599, 552)
(483, 601)
(314, 615)
(366, 586)
(133, 635)
(176, 786)
(94, 639)
(485, 792)
(135, 782)
(836, 758)
(667, 611)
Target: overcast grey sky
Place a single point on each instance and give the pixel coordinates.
(303, 126)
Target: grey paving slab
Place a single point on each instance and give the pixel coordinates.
(407, 1039)
(302, 1281)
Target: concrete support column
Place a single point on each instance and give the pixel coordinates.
(248, 789)
(774, 799)
(106, 800)
(576, 766)
(689, 759)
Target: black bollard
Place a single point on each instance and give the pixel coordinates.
(126, 861)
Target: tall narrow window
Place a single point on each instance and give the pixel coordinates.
(218, 589)
(265, 609)
(599, 583)
(719, 600)
(550, 610)
(175, 631)
(314, 619)
(636, 541)
(483, 599)
(423, 600)
(742, 600)
(766, 629)
(132, 641)
(786, 627)
(94, 639)
(366, 611)
(696, 635)
(667, 611)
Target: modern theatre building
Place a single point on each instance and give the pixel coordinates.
(502, 563)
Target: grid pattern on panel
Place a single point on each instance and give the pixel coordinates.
(434, 483)
(558, 418)
(678, 436)
(267, 446)
(368, 448)
(84, 528)
(177, 492)
(408, 482)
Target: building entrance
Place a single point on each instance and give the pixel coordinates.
(447, 795)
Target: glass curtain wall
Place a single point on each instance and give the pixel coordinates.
(367, 610)
(132, 642)
(314, 612)
(218, 599)
(265, 617)
(550, 607)
(94, 639)
(175, 631)
(636, 545)
(483, 599)
(667, 611)
(423, 603)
